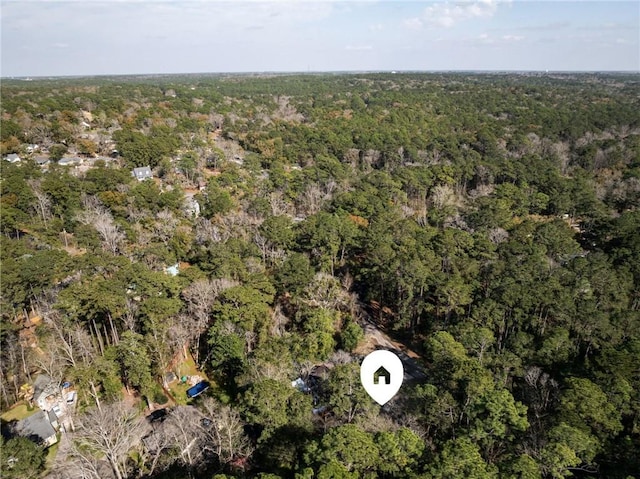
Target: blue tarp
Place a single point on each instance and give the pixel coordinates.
(198, 389)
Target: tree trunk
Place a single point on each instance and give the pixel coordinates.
(116, 468)
(94, 393)
(98, 337)
(114, 331)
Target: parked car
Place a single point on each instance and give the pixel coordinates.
(158, 415)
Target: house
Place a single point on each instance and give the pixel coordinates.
(69, 161)
(42, 160)
(381, 373)
(32, 147)
(45, 392)
(142, 173)
(37, 428)
(12, 158)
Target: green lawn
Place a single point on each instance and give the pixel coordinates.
(51, 455)
(179, 390)
(19, 412)
(188, 368)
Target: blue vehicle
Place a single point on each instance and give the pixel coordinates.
(198, 389)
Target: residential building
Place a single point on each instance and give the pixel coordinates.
(37, 428)
(45, 392)
(12, 158)
(142, 173)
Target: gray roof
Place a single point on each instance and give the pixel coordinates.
(53, 417)
(43, 383)
(142, 172)
(69, 160)
(36, 427)
(12, 157)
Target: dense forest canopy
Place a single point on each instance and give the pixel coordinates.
(485, 224)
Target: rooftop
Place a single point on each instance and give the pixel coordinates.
(37, 428)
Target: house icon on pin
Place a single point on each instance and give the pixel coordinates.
(380, 373)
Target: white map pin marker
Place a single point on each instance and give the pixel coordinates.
(381, 374)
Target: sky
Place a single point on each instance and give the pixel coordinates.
(113, 37)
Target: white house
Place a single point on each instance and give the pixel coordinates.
(142, 173)
(12, 158)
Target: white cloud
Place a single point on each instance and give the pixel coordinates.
(448, 14)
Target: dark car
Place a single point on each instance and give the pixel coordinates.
(158, 415)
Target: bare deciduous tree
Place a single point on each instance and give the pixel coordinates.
(80, 464)
(42, 203)
(207, 232)
(199, 297)
(165, 226)
(325, 291)
(49, 363)
(110, 432)
(131, 314)
(312, 199)
(157, 451)
(279, 206)
(111, 234)
(71, 343)
(183, 427)
(224, 432)
(94, 214)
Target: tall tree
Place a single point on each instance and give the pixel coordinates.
(112, 432)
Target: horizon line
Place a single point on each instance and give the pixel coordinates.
(314, 72)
